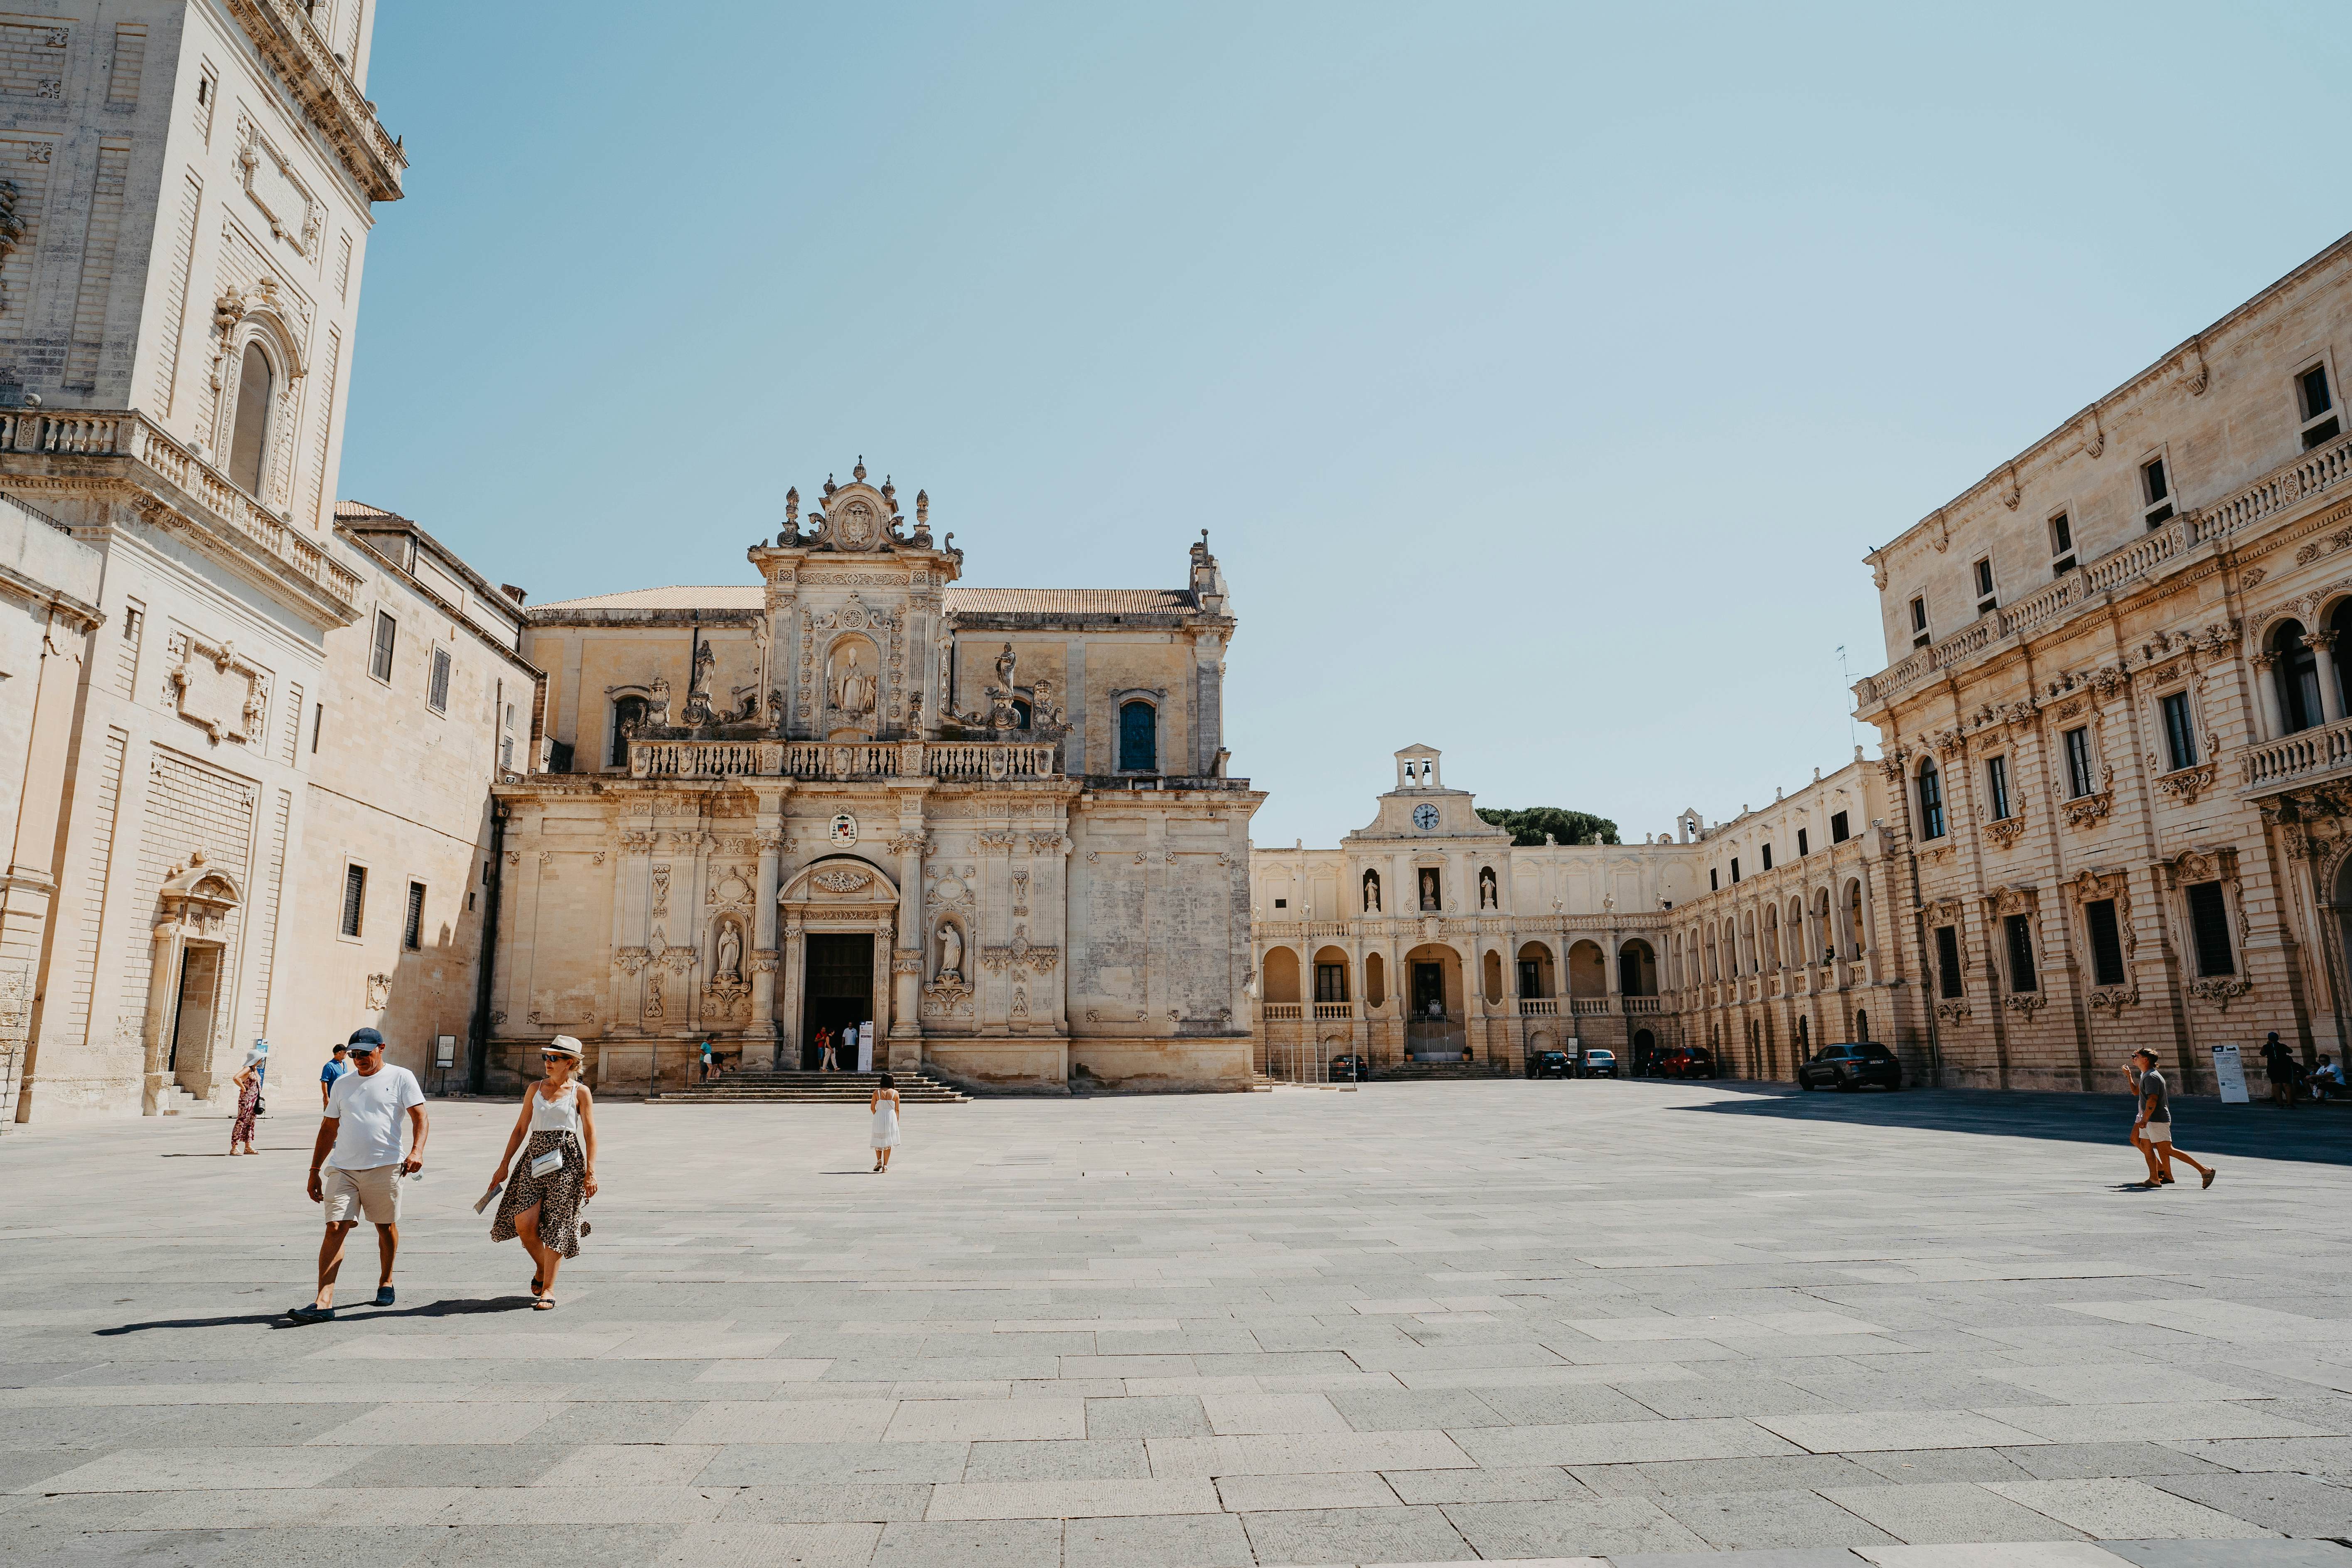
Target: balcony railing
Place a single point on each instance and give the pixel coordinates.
(1285, 1012)
(2321, 469)
(1589, 1007)
(1539, 1006)
(1334, 1012)
(821, 760)
(2305, 755)
(1645, 1003)
(128, 435)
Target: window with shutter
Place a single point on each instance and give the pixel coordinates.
(2208, 917)
(354, 898)
(1948, 961)
(2021, 954)
(380, 659)
(412, 930)
(437, 695)
(2078, 762)
(2106, 943)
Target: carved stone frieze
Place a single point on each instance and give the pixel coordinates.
(212, 687)
(2005, 833)
(2114, 999)
(2188, 783)
(2221, 989)
(2025, 1003)
(1952, 1011)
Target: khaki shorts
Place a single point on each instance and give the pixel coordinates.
(351, 1194)
(2157, 1132)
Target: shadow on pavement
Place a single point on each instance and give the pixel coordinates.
(2322, 1134)
(352, 1314)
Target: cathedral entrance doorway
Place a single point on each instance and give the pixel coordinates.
(1434, 1022)
(840, 991)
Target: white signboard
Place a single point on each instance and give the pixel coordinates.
(2230, 1074)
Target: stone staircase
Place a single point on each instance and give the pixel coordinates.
(178, 1101)
(809, 1089)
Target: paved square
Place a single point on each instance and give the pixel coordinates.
(1637, 1322)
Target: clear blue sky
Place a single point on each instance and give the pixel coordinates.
(1541, 373)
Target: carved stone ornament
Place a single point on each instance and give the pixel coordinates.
(2007, 901)
(212, 687)
(2188, 783)
(2025, 1003)
(2005, 833)
(2114, 999)
(379, 993)
(841, 880)
(2251, 579)
(2087, 809)
(1953, 1011)
(2221, 989)
(294, 214)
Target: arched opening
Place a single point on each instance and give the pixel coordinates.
(1860, 1024)
(1748, 943)
(1139, 738)
(1804, 1039)
(250, 436)
(1371, 892)
(1490, 971)
(1771, 936)
(1330, 977)
(1376, 981)
(1586, 977)
(1021, 713)
(1714, 971)
(2339, 621)
(1824, 944)
(1534, 970)
(2296, 669)
(1433, 1016)
(1645, 1049)
(1797, 954)
(628, 712)
(1931, 800)
(1853, 925)
(1282, 976)
(1637, 969)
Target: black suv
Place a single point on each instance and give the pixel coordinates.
(1550, 1064)
(1349, 1068)
(1850, 1067)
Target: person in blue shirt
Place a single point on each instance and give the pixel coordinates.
(337, 1066)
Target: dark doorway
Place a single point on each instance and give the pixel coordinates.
(191, 1018)
(840, 990)
(1429, 991)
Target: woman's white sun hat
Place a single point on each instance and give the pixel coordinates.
(561, 1045)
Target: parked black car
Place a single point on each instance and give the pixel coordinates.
(1598, 1063)
(1351, 1067)
(1551, 1064)
(1850, 1067)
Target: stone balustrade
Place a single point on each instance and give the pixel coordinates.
(1539, 1006)
(2321, 469)
(1334, 1012)
(2292, 759)
(985, 760)
(1285, 1012)
(128, 435)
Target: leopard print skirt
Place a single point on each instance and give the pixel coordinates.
(558, 1196)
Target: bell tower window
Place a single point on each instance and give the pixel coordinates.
(1139, 738)
(247, 443)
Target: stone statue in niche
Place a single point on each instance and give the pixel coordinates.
(853, 689)
(1371, 892)
(1489, 897)
(951, 970)
(1005, 662)
(730, 950)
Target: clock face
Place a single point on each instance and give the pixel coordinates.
(1425, 816)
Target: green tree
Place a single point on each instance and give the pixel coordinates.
(1565, 826)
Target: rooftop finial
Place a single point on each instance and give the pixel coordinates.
(792, 504)
(829, 486)
(859, 472)
(922, 506)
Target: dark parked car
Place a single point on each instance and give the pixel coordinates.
(1349, 1068)
(1551, 1064)
(1850, 1067)
(1685, 1061)
(1598, 1063)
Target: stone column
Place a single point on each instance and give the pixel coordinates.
(768, 836)
(792, 961)
(2331, 698)
(913, 945)
(2266, 689)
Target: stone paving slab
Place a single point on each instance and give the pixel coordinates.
(1591, 1324)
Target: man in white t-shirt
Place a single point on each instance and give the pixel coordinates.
(358, 1145)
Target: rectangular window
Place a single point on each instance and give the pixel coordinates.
(2320, 424)
(1531, 977)
(1714, 880)
(1919, 622)
(2179, 736)
(412, 928)
(437, 695)
(1947, 962)
(1768, 856)
(1986, 599)
(2154, 492)
(2208, 919)
(1802, 850)
(1330, 983)
(1839, 832)
(354, 898)
(1931, 803)
(1282, 903)
(2061, 545)
(2020, 952)
(380, 659)
(2078, 762)
(2106, 943)
(1997, 786)
(1735, 868)
(506, 754)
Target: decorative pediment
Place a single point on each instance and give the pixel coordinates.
(199, 890)
(2006, 900)
(841, 880)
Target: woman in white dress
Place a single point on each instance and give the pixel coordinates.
(884, 1105)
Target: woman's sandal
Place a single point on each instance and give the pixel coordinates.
(542, 1303)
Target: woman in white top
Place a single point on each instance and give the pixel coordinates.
(884, 1105)
(552, 1182)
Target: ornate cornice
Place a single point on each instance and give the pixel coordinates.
(282, 31)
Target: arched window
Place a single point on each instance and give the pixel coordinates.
(627, 712)
(2298, 679)
(247, 443)
(1371, 892)
(1931, 802)
(1139, 738)
(1021, 713)
(1860, 1024)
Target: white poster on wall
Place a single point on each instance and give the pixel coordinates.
(2230, 1074)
